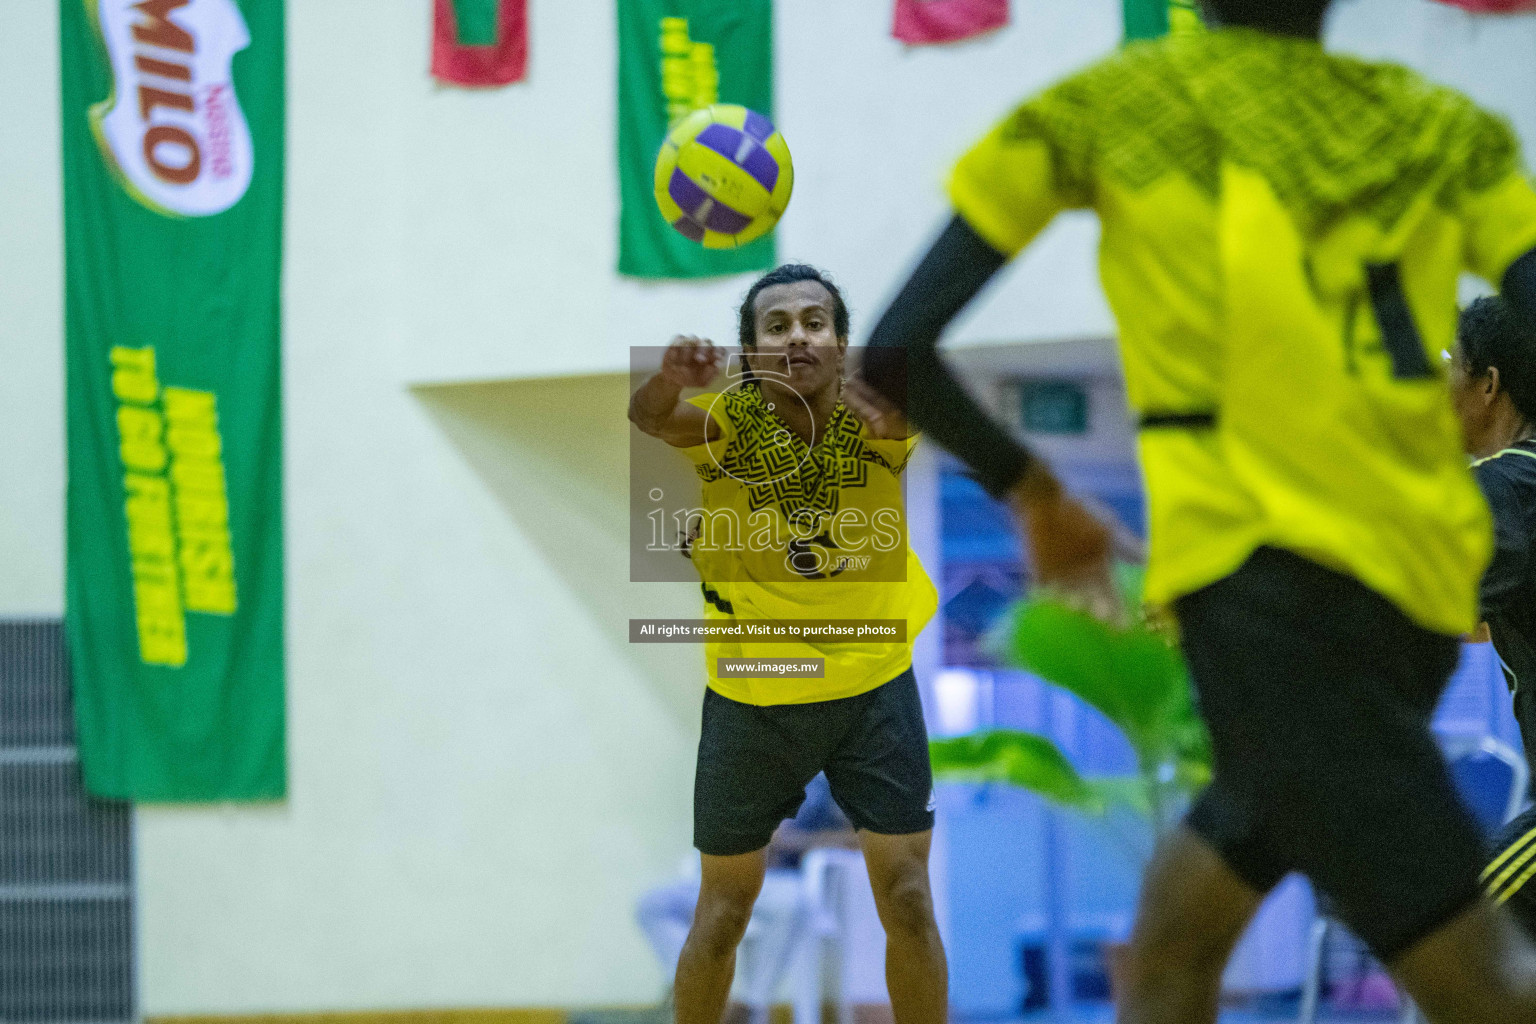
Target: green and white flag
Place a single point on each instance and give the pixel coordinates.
(676, 56)
(173, 211)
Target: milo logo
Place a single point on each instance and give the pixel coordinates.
(172, 129)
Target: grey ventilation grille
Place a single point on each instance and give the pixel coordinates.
(66, 866)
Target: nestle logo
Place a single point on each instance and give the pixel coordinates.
(172, 126)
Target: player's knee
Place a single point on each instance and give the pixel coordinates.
(1157, 950)
(720, 921)
(906, 905)
(1151, 969)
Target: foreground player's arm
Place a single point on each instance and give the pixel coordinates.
(1032, 165)
(1005, 191)
(658, 408)
(903, 364)
(1070, 546)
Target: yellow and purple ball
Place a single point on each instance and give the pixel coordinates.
(723, 177)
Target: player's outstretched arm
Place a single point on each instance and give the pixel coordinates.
(657, 406)
(902, 361)
(1071, 548)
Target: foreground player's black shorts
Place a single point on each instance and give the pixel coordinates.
(1318, 693)
(755, 762)
(1510, 877)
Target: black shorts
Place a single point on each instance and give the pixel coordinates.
(1510, 877)
(755, 762)
(1318, 693)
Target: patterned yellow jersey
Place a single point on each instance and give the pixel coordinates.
(788, 530)
(1283, 230)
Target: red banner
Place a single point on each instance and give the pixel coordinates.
(945, 21)
(479, 42)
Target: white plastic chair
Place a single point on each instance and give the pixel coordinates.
(773, 939)
(827, 873)
(1456, 749)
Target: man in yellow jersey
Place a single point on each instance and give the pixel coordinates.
(802, 519)
(1283, 230)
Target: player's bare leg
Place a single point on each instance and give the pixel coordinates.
(1192, 911)
(1479, 968)
(705, 969)
(916, 973)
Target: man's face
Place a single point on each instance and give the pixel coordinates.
(795, 333)
(1470, 396)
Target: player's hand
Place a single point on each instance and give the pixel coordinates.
(1071, 547)
(882, 419)
(1126, 546)
(691, 362)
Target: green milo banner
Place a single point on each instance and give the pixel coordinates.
(676, 56)
(173, 210)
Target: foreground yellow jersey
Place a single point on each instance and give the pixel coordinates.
(1283, 230)
(790, 531)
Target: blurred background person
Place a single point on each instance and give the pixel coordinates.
(1493, 385)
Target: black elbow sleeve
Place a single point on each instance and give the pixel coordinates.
(902, 361)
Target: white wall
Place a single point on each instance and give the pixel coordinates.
(484, 774)
(505, 203)
(1492, 59)
(31, 314)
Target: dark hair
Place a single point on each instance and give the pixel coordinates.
(790, 273)
(1287, 17)
(1490, 335)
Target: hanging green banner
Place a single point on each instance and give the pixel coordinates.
(1148, 19)
(676, 56)
(173, 211)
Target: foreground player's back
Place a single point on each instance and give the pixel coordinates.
(1283, 230)
(1359, 156)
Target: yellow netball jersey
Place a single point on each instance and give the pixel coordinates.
(1283, 230)
(791, 531)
